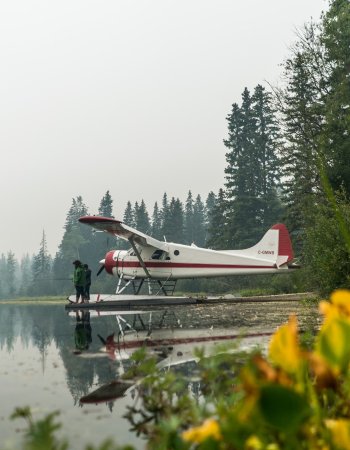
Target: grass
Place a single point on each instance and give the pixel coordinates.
(31, 300)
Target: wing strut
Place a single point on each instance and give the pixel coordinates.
(137, 253)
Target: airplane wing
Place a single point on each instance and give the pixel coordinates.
(120, 229)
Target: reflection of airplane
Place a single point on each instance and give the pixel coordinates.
(168, 338)
(163, 336)
(165, 262)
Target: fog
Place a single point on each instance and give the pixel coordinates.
(125, 96)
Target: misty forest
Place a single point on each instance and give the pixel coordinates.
(287, 160)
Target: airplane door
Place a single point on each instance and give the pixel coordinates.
(159, 265)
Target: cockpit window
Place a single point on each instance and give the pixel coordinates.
(160, 254)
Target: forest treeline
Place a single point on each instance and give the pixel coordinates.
(287, 149)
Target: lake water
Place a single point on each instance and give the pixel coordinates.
(52, 360)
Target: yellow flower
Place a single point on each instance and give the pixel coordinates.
(339, 305)
(208, 429)
(272, 446)
(333, 343)
(340, 431)
(284, 350)
(253, 443)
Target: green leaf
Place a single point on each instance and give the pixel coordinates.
(282, 408)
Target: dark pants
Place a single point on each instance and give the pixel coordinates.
(87, 291)
(80, 292)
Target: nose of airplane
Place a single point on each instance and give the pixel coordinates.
(110, 263)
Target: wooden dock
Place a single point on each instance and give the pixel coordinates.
(104, 301)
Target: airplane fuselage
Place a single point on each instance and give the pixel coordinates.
(183, 261)
(150, 258)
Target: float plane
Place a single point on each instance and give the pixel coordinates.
(162, 263)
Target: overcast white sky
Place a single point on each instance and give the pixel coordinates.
(128, 96)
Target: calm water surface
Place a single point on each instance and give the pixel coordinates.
(52, 360)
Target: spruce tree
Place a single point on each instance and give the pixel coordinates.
(129, 216)
(166, 219)
(142, 222)
(242, 175)
(11, 269)
(268, 143)
(156, 222)
(128, 219)
(41, 270)
(189, 229)
(336, 140)
(252, 172)
(216, 237)
(303, 118)
(26, 274)
(209, 205)
(199, 222)
(176, 221)
(106, 206)
(77, 243)
(3, 271)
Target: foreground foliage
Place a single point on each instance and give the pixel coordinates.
(296, 396)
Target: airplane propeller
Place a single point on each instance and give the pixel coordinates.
(102, 262)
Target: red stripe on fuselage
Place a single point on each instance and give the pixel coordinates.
(172, 265)
(149, 342)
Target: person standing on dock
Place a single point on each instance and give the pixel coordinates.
(79, 280)
(87, 281)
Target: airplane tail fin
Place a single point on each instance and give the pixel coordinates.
(275, 246)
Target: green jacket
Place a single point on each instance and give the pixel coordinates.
(79, 276)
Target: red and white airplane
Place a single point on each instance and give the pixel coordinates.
(164, 262)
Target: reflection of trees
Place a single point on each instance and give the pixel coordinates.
(7, 328)
(46, 325)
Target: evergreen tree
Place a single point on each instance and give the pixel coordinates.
(106, 206)
(102, 242)
(336, 139)
(209, 205)
(252, 172)
(156, 222)
(77, 209)
(216, 238)
(142, 222)
(3, 284)
(11, 269)
(301, 104)
(167, 228)
(176, 221)
(77, 243)
(189, 228)
(199, 222)
(268, 143)
(26, 274)
(41, 261)
(129, 216)
(41, 271)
